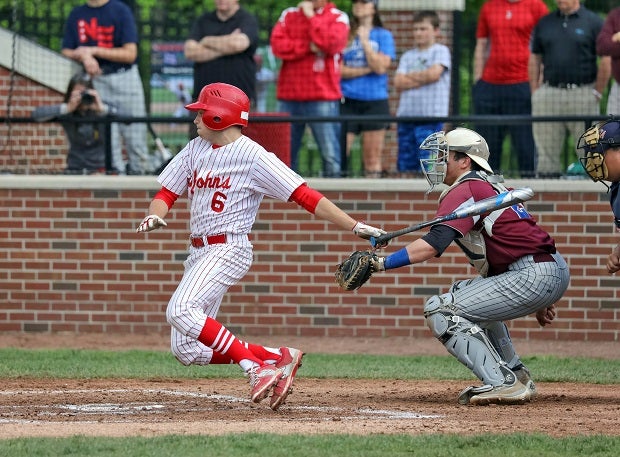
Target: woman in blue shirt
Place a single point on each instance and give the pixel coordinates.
(364, 82)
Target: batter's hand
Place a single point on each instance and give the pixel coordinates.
(151, 222)
(368, 231)
(546, 315)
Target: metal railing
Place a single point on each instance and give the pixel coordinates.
(453, 121)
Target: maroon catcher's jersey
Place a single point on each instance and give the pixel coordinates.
(514, 234)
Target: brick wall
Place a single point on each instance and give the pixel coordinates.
(29, 147)
(70, 260)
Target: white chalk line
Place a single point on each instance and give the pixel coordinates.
(137, 408)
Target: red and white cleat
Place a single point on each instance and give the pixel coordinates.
(288, 363)
(262, 379)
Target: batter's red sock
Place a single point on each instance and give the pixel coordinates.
(220, 359)
(262, 352)
(218, 338)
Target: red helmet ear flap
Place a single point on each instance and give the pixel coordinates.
(224, 105)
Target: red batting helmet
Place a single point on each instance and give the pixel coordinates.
(223, 104)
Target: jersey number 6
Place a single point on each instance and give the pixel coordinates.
(217, 203)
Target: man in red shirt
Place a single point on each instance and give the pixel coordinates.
(309, 39)
(501, 83)
(519, 269)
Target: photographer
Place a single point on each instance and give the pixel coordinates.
(87, 140)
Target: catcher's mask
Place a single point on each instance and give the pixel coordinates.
(461, 140)
(224, 105)
(595, 142)
(434, 167)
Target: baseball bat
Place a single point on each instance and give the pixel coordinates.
(487, 205)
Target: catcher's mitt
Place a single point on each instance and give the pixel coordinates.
(355, 270)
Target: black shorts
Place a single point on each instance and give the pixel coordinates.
(362, 107)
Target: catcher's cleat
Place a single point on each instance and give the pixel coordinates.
(262, 379)
(524, 377)
(515, 393)
(288, 363)
(470, 391)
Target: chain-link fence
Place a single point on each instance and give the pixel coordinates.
(33, 73)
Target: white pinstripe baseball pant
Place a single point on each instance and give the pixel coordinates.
(209, 273)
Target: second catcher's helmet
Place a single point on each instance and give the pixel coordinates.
(595, 142)
(224, 105)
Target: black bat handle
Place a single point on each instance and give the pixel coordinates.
(382, 239)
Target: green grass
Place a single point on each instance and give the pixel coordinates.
(139, 364)
(89, 364)
(246, 445)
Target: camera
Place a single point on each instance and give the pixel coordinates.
(87, 99)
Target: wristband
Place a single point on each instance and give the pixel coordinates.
(398, 259)
(597, 94)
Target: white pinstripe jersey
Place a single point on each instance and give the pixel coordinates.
(226, 185)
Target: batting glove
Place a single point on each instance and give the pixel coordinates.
(151, 222)
(367, 231)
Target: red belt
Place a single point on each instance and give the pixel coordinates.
(199, 241)
(542, 258)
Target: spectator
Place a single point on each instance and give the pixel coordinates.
(364, 83)
(102, 36)
(564, 78)
(222, 44)
(423, 80)
(608, 44)
(500, 74)
(309, 39)
(87, 141)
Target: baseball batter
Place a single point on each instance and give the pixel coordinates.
(520, 270)
(601, 160)
(225, 176)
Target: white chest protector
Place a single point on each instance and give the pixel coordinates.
(472, 244)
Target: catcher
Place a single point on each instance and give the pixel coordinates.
(520, 270)
(601, 160)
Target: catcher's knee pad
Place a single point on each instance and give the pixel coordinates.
(465, 340)
(439, 312)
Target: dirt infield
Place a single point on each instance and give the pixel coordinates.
(153, 407)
